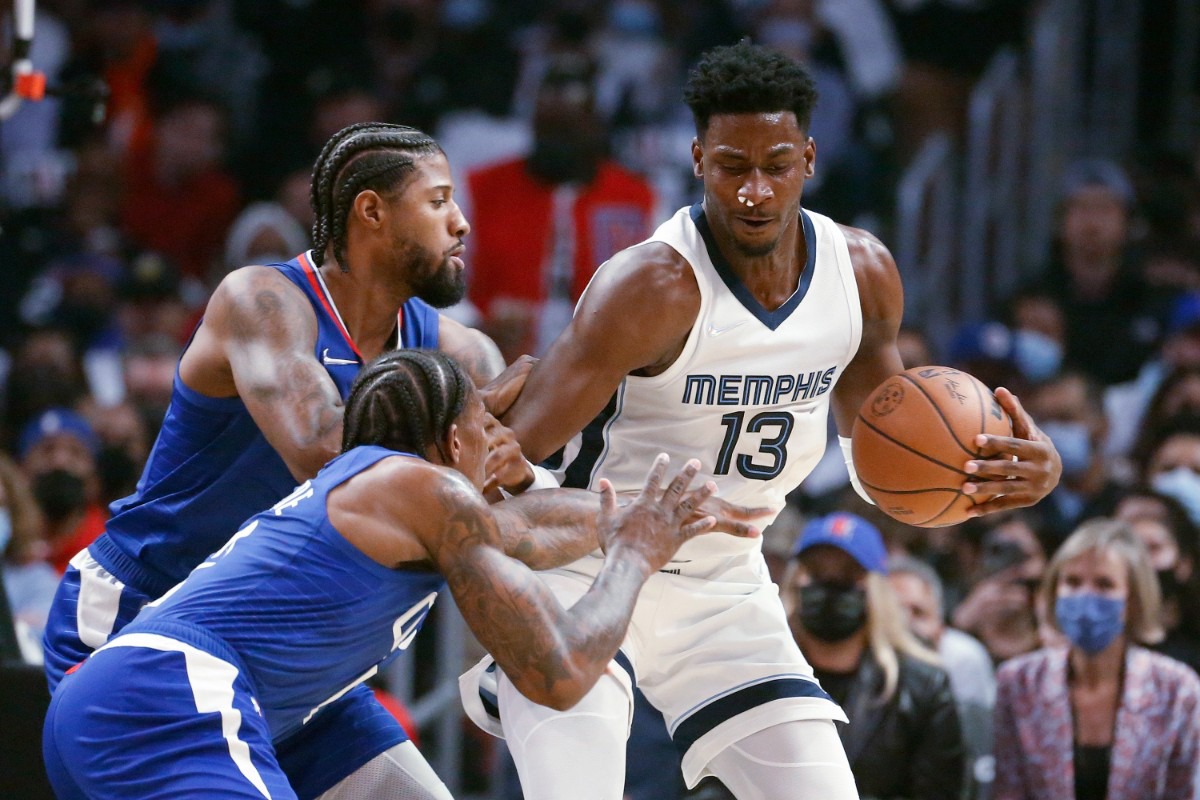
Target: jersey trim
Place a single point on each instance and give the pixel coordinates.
(772, 319)
(593, 444)
(689, 730)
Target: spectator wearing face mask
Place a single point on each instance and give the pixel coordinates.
(1172, 543)
(58, 451)
(1102, 717)
(903, 739)
(1069, 410)
(1170, 458)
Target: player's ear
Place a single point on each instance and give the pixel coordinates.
(697, 158)
(368, 208)
(452, 446)
(810, 157)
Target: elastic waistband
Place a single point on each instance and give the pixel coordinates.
(128, 570)
(195, 635)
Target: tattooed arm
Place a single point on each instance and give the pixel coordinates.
(553, 655)
(474, 350)
(257, 341)
(552, 527)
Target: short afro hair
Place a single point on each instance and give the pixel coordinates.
(747, 78)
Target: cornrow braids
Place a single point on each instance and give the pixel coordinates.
(366, 155)
(405, 400)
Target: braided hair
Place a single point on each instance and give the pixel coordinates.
(746, 78)
(405, 400)
(366, 155)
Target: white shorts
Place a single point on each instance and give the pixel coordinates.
(709, 647)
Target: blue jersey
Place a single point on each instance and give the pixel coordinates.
(211, 467)
(306, 614)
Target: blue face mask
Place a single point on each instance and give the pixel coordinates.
(1073, 441)
(1090, 621)
(1036, 355)
(5, 530)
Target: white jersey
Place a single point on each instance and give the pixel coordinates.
(748, 395)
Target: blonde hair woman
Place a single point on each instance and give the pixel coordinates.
(904, 738)
(1101, 717)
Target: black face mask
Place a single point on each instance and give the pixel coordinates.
(831, 612)
(59, 494)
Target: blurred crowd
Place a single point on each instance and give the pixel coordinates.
(178, 147)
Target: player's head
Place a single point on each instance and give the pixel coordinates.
(752, 107)
(395, 181)
(417, 401)
(747, 78)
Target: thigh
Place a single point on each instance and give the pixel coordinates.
(150, 723)
(400, 773)
(724, 664)
(90, 607)
(345, 736)
(797, 760)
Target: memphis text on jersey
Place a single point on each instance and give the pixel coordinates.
(756, 390)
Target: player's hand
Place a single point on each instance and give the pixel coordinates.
(502, 391)
(1010, 482)
(506, 467)
(730, 517)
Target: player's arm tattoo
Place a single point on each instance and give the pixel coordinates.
(552, 655)
(270, 345)
(548, 528)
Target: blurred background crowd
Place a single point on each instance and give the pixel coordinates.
(1033, 164)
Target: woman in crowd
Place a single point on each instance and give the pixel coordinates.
(1102, 717)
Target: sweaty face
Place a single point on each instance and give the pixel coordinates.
(753, 167)
(427, 230)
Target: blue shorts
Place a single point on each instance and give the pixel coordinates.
(91, 606)
(159, 718)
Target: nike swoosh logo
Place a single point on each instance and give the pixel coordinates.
(713, 330)
(331, 360)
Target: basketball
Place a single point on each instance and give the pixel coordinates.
(914, 435)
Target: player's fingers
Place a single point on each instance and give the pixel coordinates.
(999, 502)
(998, 469)
(608, 499)
(1023, 424)
(731, 512)
(655, 476)
(698, 527)
(687, 507)
(680, 483)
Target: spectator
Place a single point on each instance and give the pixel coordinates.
(262, 234)
(1069, 410)
(965, 660)
(1101, 717)
(58, 451)
(1112, 324)
(999, 608)
(180, 200)
(1173, 546)
(903, 739)
(29, 582)
(46, 371)
(543, 223)
(1170, 459)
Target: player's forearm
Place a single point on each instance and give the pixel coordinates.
(588, 635)
(549, 528)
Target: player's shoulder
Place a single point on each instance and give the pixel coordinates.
(256, 292)
(408, 481)
(864, 245)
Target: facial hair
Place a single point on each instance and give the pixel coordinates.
(434, 279)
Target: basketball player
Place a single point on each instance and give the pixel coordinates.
(726, 336)
(186, 700)
(257, 406)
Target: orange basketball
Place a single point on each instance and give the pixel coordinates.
(914, 435)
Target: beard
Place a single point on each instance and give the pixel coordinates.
(441, 285)
(755, 250)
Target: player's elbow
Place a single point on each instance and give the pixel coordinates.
(557, 686)
(563, 696)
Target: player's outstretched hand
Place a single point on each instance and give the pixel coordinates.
(506, 467)
(732, 518)
(656, 524)
(1009, 483)
(502, 391)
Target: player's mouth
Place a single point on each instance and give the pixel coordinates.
(755, 223)
(454, 256)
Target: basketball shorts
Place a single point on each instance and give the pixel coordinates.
(708, 645)
(92, 605)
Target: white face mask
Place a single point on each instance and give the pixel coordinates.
(1183, 484)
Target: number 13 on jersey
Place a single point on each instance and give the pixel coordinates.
(775, 428)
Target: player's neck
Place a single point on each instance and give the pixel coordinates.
(367, 307)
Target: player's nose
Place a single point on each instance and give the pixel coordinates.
(459, 227)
